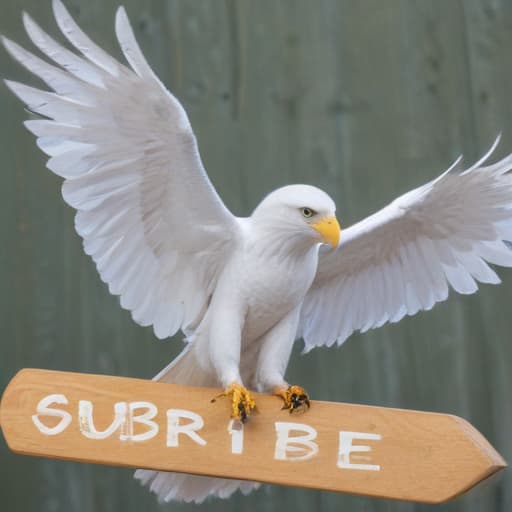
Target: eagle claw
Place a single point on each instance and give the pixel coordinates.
(295, 399)
(242, 403)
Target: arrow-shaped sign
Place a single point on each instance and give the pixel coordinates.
(373, 451)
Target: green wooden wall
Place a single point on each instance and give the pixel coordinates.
(365, 99)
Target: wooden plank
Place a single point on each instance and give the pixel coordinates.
(374, 451)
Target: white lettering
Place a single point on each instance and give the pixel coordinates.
(236, 430)
(286, 445)
(86, 423)
(174, 429)
(136, 422)
(145, 418)
(43, 410)
(346, 448)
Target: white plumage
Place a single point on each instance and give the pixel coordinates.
(404, 258)
(242, 290)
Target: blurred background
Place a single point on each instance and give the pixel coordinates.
(365, 99)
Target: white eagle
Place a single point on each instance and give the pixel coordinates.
(242, 290)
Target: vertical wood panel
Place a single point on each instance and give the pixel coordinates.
(365, 99)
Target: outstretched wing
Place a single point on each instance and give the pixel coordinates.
(147, 212)
(403, 258)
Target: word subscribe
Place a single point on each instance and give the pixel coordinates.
(293, 441)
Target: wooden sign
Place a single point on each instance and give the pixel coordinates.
(374, 451)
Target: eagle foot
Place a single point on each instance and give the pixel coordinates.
(242, 403)
(295, 399)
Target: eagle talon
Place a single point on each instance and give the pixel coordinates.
(242, 403)
(295, 398)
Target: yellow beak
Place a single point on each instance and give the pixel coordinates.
(329, 229)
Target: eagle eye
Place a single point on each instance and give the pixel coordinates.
(307, 212)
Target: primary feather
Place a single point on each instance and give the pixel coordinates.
(242, 290)
(147, 212)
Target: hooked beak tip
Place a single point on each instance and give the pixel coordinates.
(329, 230)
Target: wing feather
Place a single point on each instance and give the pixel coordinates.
(404, 258)
(71, 62)
(82, 42)
(147, 212)
(130, 47)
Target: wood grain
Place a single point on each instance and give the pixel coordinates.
(421, 456)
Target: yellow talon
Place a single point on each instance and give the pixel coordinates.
(242, 403)
(295, 399)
